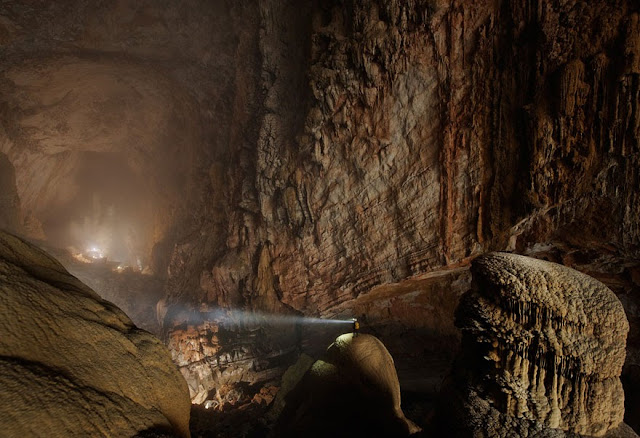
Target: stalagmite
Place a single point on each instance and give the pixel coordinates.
(560, 336)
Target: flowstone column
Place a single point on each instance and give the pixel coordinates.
(542, 351)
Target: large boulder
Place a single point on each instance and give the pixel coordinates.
(73, 364)
(352, 391)
(542, 351)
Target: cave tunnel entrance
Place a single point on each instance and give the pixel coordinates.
(109, 212)
(102, 149)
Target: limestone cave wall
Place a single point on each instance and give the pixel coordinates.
(394, 141)
(336, 157)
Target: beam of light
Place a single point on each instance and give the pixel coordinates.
(255, 318)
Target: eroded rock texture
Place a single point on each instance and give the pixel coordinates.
(542, 347)
(398, 139)
(72, 364)
(214, 355)
(333, 157)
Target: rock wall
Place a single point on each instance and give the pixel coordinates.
(112, 115)
(431, 131)
(10, 213)
(398, 140)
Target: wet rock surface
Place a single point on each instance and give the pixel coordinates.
(73, 364)
(542, 352)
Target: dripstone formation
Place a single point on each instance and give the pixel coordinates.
(542, 351)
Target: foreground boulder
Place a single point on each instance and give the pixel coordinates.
(542, 352)
(353, 391)
(73, 364)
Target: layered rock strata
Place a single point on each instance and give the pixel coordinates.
(72, 364)
(397, 139)
(216, 353)
(542, 348)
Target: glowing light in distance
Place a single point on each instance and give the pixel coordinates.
(95, 253)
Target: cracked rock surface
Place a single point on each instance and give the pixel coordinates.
(332, 158)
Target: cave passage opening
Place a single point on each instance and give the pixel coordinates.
(102, 149)
(107, 216)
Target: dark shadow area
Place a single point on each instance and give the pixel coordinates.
(157, 432)
(245, 421)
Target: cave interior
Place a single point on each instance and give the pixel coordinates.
(243, 177)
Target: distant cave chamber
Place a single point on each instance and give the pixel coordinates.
(102, 151)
